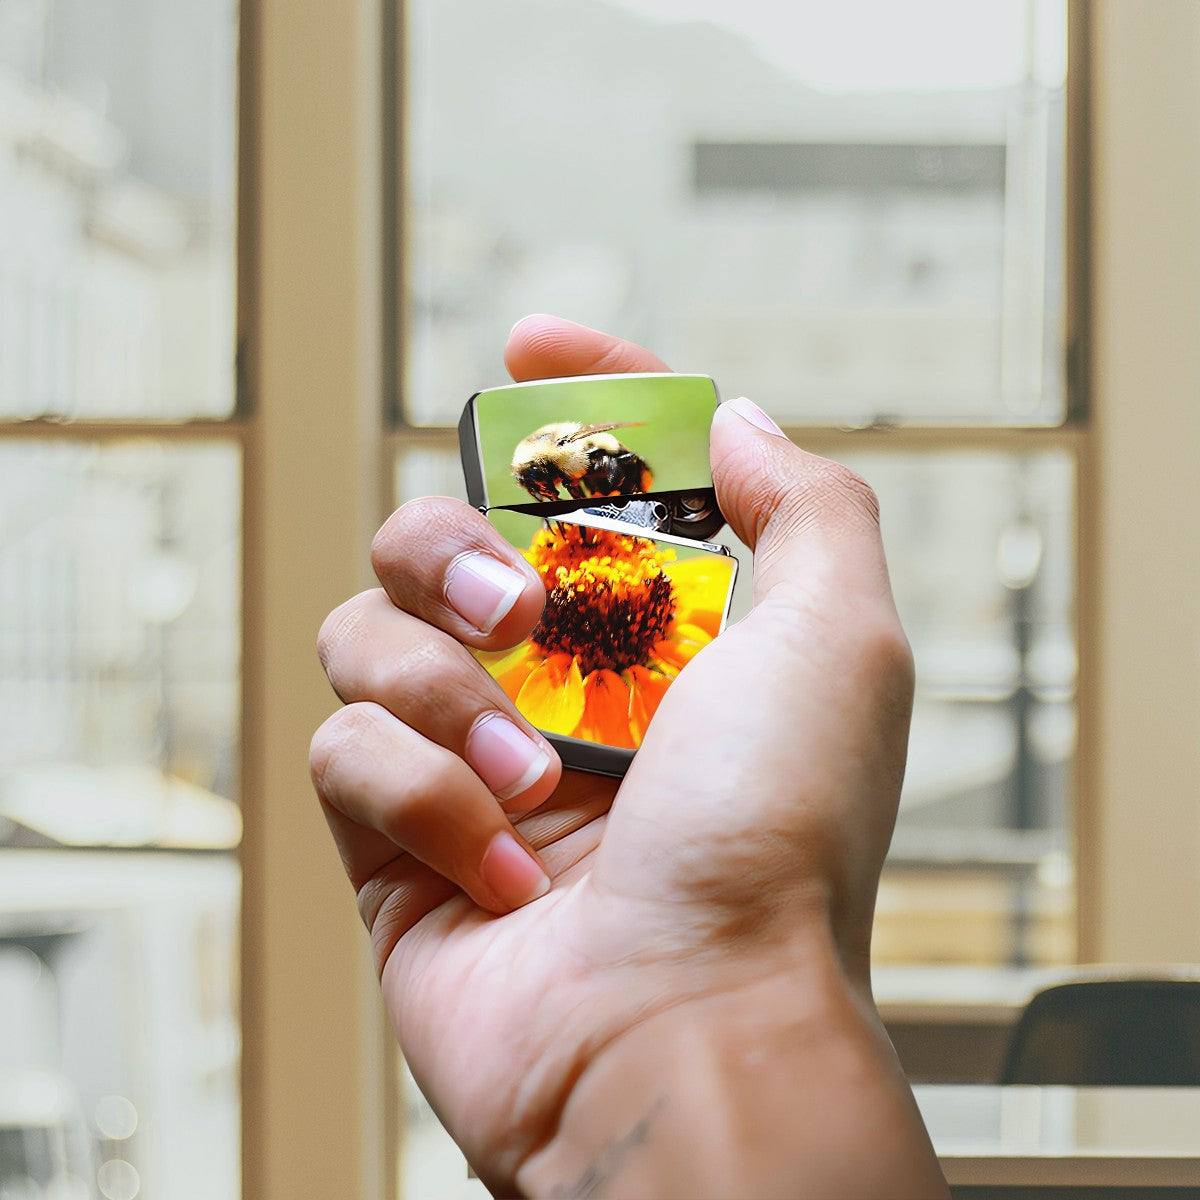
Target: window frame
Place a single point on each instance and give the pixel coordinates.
(1138, 852)
(317, 1053)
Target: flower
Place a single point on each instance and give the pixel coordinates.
(622, 619)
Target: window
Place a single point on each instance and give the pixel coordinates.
(158, 445)
(120, 581)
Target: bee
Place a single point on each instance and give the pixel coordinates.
(583, 460)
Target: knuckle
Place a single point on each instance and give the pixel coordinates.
(427, 782)
(320, 755)
(847, 492)
(341, 627)
(420, 676)
(783, 487)
(339, 736)
(386, 547)
(829, 497)
(425, 521)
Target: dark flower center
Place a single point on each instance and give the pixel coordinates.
(608, 599)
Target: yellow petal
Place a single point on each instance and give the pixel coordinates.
(681, 645)
(552, 696)
(647, 688)
(661, 666)
(606, 710)
(708, 619)
(701, 588)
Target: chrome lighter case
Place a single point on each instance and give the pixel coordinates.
(603, 483)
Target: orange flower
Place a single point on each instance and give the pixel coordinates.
(622, 619)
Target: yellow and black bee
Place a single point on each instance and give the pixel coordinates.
(583, 460)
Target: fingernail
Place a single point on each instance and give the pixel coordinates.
(750, 411)
(481, 589)
(526, 317)
(505, 757)
(511, 872)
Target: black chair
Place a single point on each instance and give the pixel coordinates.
(1117, 1032)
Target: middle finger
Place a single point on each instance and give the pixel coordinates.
(374, 652)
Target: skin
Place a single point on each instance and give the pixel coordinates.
(688, 1011)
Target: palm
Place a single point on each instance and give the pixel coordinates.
(467, 995)
(500, 1014)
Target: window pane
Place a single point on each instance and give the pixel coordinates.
(981, 553)
(119, 884)
(848, 229)
(117, 208)
(119, 578)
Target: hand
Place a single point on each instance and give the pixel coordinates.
(686, 1010)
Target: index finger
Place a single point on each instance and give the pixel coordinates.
(545, 347)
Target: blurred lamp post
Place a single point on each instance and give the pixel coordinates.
(1018, 559)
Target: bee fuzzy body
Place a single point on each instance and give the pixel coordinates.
(584, 461)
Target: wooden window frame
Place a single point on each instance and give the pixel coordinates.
(320, 1090)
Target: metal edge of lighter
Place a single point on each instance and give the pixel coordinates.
(699, 507)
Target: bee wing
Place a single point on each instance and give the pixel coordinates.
(586, 430)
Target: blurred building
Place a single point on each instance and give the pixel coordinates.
(843, 257)
(119, 585)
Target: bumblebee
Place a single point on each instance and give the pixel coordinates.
(587, 461)
(583, 460)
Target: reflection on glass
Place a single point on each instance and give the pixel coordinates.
(428, 472)
(119, 1043)
(116, 208)
(754, 190)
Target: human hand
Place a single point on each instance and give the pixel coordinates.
(687, 1009)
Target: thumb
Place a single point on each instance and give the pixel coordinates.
(811, 522)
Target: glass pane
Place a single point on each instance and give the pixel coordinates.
(119, 884)
(117, 208)
(847, 229)
(981, 552)
(428, 471)
(431, 1163)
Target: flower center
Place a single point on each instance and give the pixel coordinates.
(608, 599)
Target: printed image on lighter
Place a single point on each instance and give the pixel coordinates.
(624, 615)
(615, 435)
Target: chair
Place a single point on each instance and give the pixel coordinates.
(1117, 1032)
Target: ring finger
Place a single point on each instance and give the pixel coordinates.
(388, 790)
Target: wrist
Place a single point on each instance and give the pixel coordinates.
(766, 1090)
